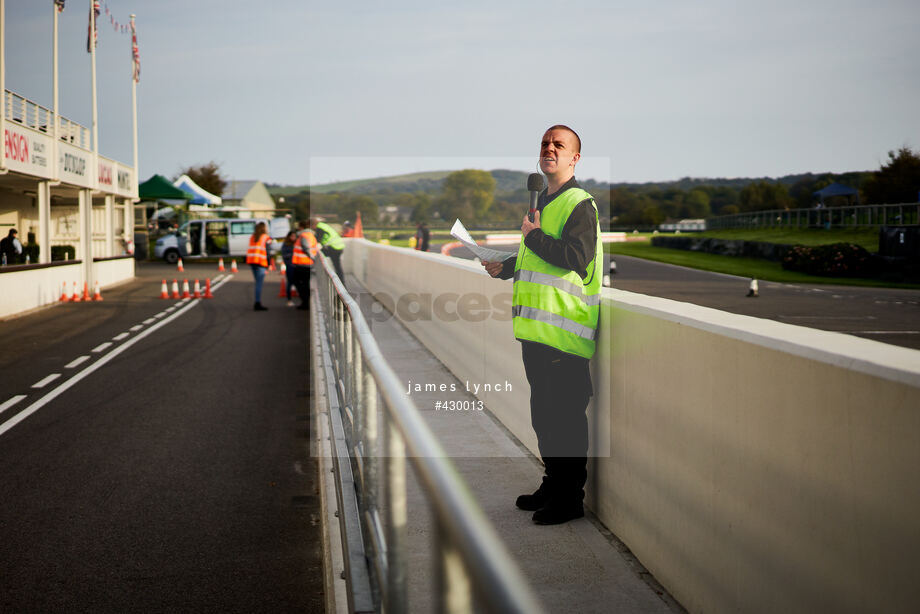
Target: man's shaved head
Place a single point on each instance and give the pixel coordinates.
(564, 127)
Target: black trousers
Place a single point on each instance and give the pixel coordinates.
(560, 387)
(336, 256)
(300, 277)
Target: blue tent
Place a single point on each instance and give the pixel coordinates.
(200, 196)
(836, 189)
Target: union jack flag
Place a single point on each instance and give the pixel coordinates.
(135, 53)
(59, 4)
(92, 29)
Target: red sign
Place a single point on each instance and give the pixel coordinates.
(105, 174)
(16, 147)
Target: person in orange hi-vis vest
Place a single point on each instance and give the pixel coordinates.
(257, 257)
(305, 249)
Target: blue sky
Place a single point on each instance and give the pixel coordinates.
(294, 91)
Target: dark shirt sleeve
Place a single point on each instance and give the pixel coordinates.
(320, 235)
(508, 268)
(574, 250)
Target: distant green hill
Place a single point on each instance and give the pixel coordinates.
(410, 182)
(507, 181)
(430, 181)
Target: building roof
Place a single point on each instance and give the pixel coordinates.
(237, 190)
(835, 189)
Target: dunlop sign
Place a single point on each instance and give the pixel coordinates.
(75, 165)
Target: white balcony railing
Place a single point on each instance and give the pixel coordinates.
(23, 111)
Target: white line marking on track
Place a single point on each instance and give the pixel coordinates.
(171, 309)
(10, 402)
(160, 315)
(101, 347)
(149, 320)
(136, 328)
(120, 337)
(64, 387)
(44, 382)
(76, 362)
(222, 282)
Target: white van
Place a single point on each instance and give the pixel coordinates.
(215, 238)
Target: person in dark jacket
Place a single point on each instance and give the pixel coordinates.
(10, 247)
(287, 256)
(422, 237)
(555, 309)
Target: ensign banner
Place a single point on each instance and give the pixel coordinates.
(27, 151)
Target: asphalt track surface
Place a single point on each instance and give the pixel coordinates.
(168, 471)
(887, 315)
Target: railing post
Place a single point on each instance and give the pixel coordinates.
(397, 598)
(357, 399)
(371, 452)
(453, 590)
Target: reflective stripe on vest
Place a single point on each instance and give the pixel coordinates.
(557, 282)
(257, 252)
(331, 238)
(554, 319)
(552, 305)
(301, 258)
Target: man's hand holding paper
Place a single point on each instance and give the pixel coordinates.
(459, 232)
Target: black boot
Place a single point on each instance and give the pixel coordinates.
(557, 511)
(259, 307)
(532, 503)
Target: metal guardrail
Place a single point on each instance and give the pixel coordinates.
(472, 565)
(853, 216)
(23, 111)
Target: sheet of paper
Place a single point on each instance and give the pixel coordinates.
(459, 232)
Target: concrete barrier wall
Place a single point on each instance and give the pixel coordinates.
(753, 466)
(113, 270)
(22, 291)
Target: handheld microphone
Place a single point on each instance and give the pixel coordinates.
(535, 185)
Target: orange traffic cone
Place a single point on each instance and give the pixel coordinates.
(97, 295)
(180, 268)
(271, 265)
(283, 268)
(283, 287)
(233, 268)
(220, 265)
(197, 290)
(64, 297)
(86, 291)
(164, 292)
(207, 289)
(76, 294)
(175, 289)
(185, 293)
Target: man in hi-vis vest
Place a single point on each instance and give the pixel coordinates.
(555, 309)
(333, 244)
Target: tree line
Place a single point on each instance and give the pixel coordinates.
(499, 198)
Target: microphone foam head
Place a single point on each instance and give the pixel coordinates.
(535, 182)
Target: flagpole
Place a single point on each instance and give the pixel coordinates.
(92, 53)
(134, 105)
(55, 129)
(2, 83)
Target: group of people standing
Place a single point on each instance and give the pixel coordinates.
(298, 252)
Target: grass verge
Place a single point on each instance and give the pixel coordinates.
(743, 267)
(864, 237)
